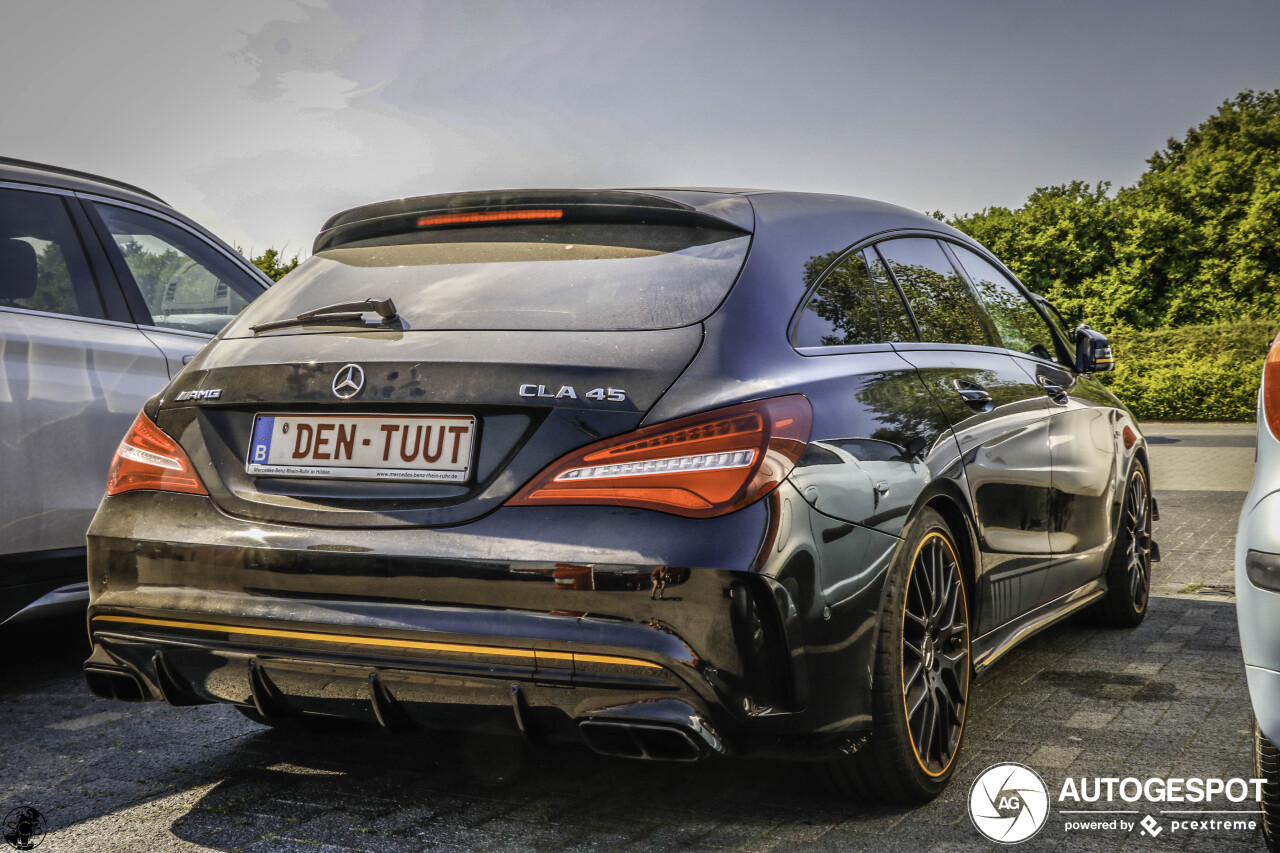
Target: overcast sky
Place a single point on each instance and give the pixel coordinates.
(260, 118)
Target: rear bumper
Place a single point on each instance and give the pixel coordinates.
(283, 669)
(469, 628)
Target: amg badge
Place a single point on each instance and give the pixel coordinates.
(206, 394)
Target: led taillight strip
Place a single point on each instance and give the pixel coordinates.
(146, 457)
(671, 465)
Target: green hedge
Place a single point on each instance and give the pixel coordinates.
(1191, 373)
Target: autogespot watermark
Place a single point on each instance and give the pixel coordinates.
(1010, 803)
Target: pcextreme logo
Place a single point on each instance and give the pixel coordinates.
(1009, 803)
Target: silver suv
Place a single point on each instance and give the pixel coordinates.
(1258, 595)
(105, 292)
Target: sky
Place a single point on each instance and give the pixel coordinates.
(261, 118)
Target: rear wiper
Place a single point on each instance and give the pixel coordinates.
(343, 312)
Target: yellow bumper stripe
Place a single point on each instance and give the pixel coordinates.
(460, 648)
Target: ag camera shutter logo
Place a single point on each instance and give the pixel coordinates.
(1008, 803)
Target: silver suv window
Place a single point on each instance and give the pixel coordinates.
(42, 264)
(186, 285)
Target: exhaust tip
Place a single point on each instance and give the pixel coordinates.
(119, 684)
(627, 739)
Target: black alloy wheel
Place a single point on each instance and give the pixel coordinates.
(1129, 572)
(923, 667)
(935, 654)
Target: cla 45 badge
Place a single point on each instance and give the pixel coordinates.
(615, 395)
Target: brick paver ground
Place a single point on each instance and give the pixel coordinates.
(1167, 699)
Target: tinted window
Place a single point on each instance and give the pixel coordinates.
(943, 305)
(842, 310)
(894, 318)
(42, 265)
(573, 276)
(1017, 321)
(187, 284)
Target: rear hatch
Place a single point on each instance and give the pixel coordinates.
(528, 324)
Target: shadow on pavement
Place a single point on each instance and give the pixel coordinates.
(42, 651)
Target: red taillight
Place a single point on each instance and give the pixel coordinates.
(1271, 388)
(699, 466)
(147, 458)
(489, 216)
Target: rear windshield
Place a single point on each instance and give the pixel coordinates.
(571, 277)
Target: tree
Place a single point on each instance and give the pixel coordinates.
(1059, 243)
(272, 263)
(1196, 240)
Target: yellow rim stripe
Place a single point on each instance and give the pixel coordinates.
(497, 651)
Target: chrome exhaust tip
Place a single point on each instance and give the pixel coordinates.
(665, 730)
(119, 684)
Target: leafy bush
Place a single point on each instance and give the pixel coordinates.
(1193, 241)
(1192, 373)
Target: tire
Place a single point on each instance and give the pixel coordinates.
(920, 690)
(1266, 765)
(1129, 572)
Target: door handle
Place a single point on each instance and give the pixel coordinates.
(1056, 392)
(974, 395)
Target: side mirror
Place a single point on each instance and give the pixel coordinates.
(1093, 351)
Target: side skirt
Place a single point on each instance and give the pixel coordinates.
(993, 645)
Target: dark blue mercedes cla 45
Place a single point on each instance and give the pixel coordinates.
(673, 473)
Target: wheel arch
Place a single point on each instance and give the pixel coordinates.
(948, 500)
(950, 503)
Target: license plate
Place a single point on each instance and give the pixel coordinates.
(363, 447)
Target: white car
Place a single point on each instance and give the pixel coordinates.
(1258, 596)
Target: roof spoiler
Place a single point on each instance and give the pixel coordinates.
(405, 216)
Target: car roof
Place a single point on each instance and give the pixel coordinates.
(56, 177)
(42, 174)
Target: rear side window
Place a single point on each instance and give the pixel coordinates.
(856, 303)
(842, 310)
(42, 265)
(894, 317)
(1019, 324)
(940, 299)
(567, 276)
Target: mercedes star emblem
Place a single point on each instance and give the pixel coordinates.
(348, 382)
